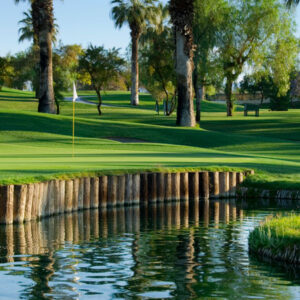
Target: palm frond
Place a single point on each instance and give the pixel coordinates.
(289, 3)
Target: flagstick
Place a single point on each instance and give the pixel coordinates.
(73, 144)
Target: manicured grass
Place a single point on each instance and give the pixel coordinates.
(36, 145)
(278, 238)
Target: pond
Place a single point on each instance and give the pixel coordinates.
(176, 251)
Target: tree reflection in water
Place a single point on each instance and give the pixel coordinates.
(172, 250)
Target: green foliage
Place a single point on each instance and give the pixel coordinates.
(26, 31)
(280, 103)
(98, 67)
(65, 66)
(156, 59)
(134, 13)
(278, 238)
(260, 34)
(208, 19)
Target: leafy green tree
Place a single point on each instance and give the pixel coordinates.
(135, 13)
(98, 67)
(65, 70)
(252, 84)
(250, 29)
(6, 72)
(208, 18)
(158, 74)
(182, 13)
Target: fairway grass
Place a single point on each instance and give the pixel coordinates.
(38, 146)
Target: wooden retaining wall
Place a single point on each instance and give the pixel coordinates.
(20, 203)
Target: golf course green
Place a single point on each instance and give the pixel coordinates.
(35, 146)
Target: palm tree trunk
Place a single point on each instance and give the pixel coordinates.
(135, 69)
(181, 12)
(44, 14)
(184, 70)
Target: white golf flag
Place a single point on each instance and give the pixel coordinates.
(75, 96)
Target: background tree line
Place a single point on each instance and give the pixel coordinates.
(179, 52)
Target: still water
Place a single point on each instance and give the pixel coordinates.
(177, 251)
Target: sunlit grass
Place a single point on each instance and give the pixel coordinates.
(278, 238)
(34, 145)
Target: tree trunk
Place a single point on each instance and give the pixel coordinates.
(184, 70)
(100, 101)
(45, 25)
(200, 95)
(135, 69)
(228, 92)
(262, 98)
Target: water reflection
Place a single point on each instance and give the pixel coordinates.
(174, 250)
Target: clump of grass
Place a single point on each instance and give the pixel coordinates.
(277, 238)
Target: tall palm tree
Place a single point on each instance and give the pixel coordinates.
(26, 31)
(182, 12)
(135, 13)
(43, 27)
(291, 2)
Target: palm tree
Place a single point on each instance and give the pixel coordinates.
(289, 3)
(135, 13)
(182, 12)
(26, 31)
(43, 28)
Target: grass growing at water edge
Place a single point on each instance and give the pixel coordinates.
(278, 238)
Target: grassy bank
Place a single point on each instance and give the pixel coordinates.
(35, 146)
(278, 238)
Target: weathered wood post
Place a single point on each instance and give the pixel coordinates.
(176, 186)
(121, 190)
(184, 186)
(136, 187)
(128, 189)
(160, 185)
(144, 189)
(193, 186)
(204, 185)
(57, 196)
(224, 184)
(62, 198)
(239, 178)
(112, 191)
(232, 184)
(80, 194)
(214, 186)
(51, 199)
(248, 173)
(69, 196)
(87, 193)
(103, 186)
(95, 192)
(168, 187)
(35, 202)
(20, 197)
(28, 206)
(75, 194)
(152, 187)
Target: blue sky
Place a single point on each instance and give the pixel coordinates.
(80, 21)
